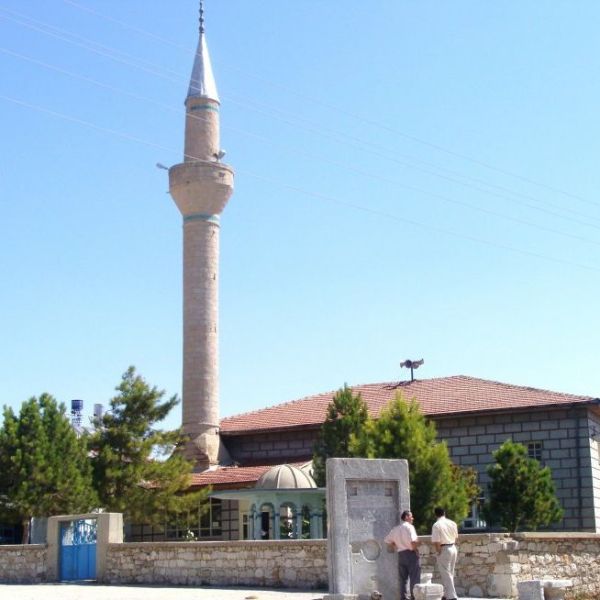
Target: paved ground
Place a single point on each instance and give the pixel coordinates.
(102, 592)
(63, 591)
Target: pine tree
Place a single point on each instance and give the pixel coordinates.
(346, 415)
(44, 465)
(522, 493)
(136, 468)
(401, 431)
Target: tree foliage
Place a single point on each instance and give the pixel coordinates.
(401, 431)
(43, 464)
(346, 416)
(136, 470)
(522, 493)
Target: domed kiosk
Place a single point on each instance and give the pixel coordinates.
(285, 477)
(285, 503)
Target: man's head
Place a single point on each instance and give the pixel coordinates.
(439, 512)
(407, 516)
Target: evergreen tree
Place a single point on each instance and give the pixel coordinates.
(346, 415)
(522, 493)
(136, 468)
(44, 466)
(401, 431)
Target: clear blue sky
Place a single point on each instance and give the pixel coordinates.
(413, 180)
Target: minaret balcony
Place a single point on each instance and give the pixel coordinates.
(201, 186)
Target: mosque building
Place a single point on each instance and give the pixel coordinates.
(259, 463)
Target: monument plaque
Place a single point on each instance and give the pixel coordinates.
(365, 498)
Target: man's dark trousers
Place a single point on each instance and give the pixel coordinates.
(409, 567)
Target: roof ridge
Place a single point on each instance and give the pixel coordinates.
(251, 412)
(456, 394)
(328, 393)
(525, 387)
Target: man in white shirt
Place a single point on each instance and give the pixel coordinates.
(403, 539)
(444, 535)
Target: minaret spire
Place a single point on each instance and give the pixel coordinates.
(202, 82)
(201, 17)
(201, 186)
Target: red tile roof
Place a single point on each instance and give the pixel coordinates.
(238, 475)
(233, 475)
(441, 396)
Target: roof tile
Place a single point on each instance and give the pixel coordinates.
(229, 475)
(440, 396)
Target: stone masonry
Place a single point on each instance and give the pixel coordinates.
(23, 564)
(566, 440)
(489, 565)
(562, 438)
(283, 563)
(201, 187)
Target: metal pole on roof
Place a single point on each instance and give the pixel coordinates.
(412, 365)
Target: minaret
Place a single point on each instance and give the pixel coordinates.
(201, 187)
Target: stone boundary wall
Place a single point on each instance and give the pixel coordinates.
(281, 563)
(477, 569)
(574, 556)
(23, 563)
(489, 565)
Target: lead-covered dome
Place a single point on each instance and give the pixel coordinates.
(285, 477)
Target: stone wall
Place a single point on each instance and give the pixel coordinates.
(283, 563)
(23, 564)
(489, 565)
(562, 439)
(477, 573)
(594, 433)
(565, 439)
(574, 556)
(272, 446)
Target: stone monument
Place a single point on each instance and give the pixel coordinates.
(365, 498)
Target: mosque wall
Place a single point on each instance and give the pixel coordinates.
(565, 439)
(271, 447)
(559, 439)
(594, 437)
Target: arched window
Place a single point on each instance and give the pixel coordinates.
(287, 521)
(305, 522)
(267, 516)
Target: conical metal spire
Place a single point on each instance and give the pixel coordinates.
(202, 83)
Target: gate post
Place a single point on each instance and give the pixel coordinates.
(110, 531)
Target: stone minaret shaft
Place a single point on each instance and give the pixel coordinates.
(201, 187)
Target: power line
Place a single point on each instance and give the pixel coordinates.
(318, 129)
(310, 193)
(504, 189)
(336, 163)
(125, 25)
(334, 108)
(99, 49)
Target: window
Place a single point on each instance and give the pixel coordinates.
(10, 534)
(534, 450)
(191, 527)
(145, 533)
(474, 519)
(210, 521)
(245, 529)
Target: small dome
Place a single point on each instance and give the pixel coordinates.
(285, 477)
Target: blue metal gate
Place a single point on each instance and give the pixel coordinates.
(78, 550)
